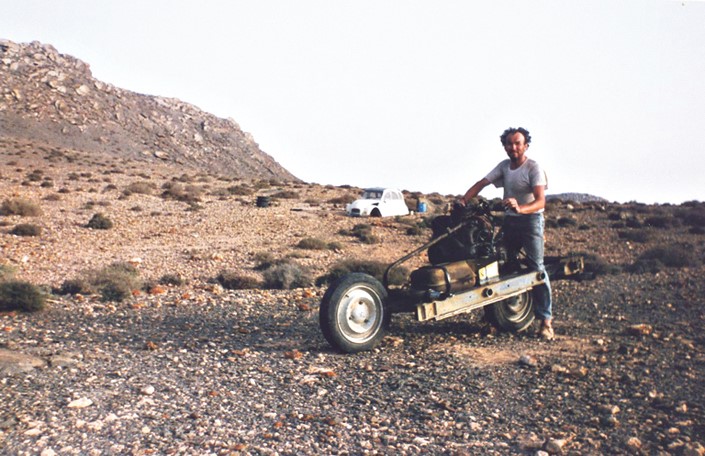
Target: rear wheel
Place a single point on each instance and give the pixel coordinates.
(513, 314)
(353, 315)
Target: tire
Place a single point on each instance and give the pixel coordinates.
(375, 213)
(513, 314)
(353, 315)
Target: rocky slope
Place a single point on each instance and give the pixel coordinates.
(189, 367)
(52, 98)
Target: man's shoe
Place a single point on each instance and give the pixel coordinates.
(546, 333)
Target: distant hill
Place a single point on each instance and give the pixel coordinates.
(53, 99)
(576, 197)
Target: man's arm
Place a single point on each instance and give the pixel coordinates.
(475, 190)
(537, 204)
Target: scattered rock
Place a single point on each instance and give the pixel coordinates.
(80, 403)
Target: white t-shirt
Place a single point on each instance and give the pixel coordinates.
(518, 183)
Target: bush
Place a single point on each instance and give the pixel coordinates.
(363, 232)
(286, 194)
(671, 256)
(180, 192)
(660, 221)
(75, 286)
(376, 269)
(116, 281)
(693, 215)
(640, 236)
(26, 229)
(343, 200)
(100, 222)
(287, 276)
(22, 296)
(233, 281)
(240, 190)
(172, 279)
(317, 244)
(565, 222)
(143, 188)
(20, 206)
(597, 265)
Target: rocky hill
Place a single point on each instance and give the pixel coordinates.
(52, 98)
(576, 197)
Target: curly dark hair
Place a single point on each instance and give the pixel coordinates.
(510, 131)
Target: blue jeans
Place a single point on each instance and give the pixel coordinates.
(525, 232)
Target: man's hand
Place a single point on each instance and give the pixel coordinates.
(511, 204)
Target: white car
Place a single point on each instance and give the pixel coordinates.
(378, 202)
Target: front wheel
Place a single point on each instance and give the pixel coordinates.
(513, 314)
(353, 315)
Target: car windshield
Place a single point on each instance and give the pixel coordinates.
(371, 194)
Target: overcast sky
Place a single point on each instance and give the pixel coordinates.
(414, 94)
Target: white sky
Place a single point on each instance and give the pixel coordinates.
(414, 94)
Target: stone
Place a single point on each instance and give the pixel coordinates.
(555, 446)
(147, 390)
(80, 403)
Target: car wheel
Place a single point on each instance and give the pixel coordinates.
(513, 314)
(353, 314)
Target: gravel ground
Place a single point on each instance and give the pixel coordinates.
(196, 369)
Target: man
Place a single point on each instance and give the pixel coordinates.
(524, 200)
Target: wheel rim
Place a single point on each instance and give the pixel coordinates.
(516, 308)
(359, 315)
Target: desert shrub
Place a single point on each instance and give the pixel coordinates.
(264, 260)
(26, 229)
(597, 265)
(35, 176)
(172, 279)
(670, 256)
(180, 192)
(660, 221)
(645, 266)
(363, 232)
(240, 190)
(343, 200)
(53, 197)
(116, 281)
(640, 236)
(335, 245)
(48, 183)
(20, 206)
(696, 230)
(564, 222)
(99, 222)
(287, 276)
(633, 222)
(310, 243)
(234, 281)
(692, 215)
(22, 296)
(75, 286)
(286, 194)
(143, 188)
(374, 268)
